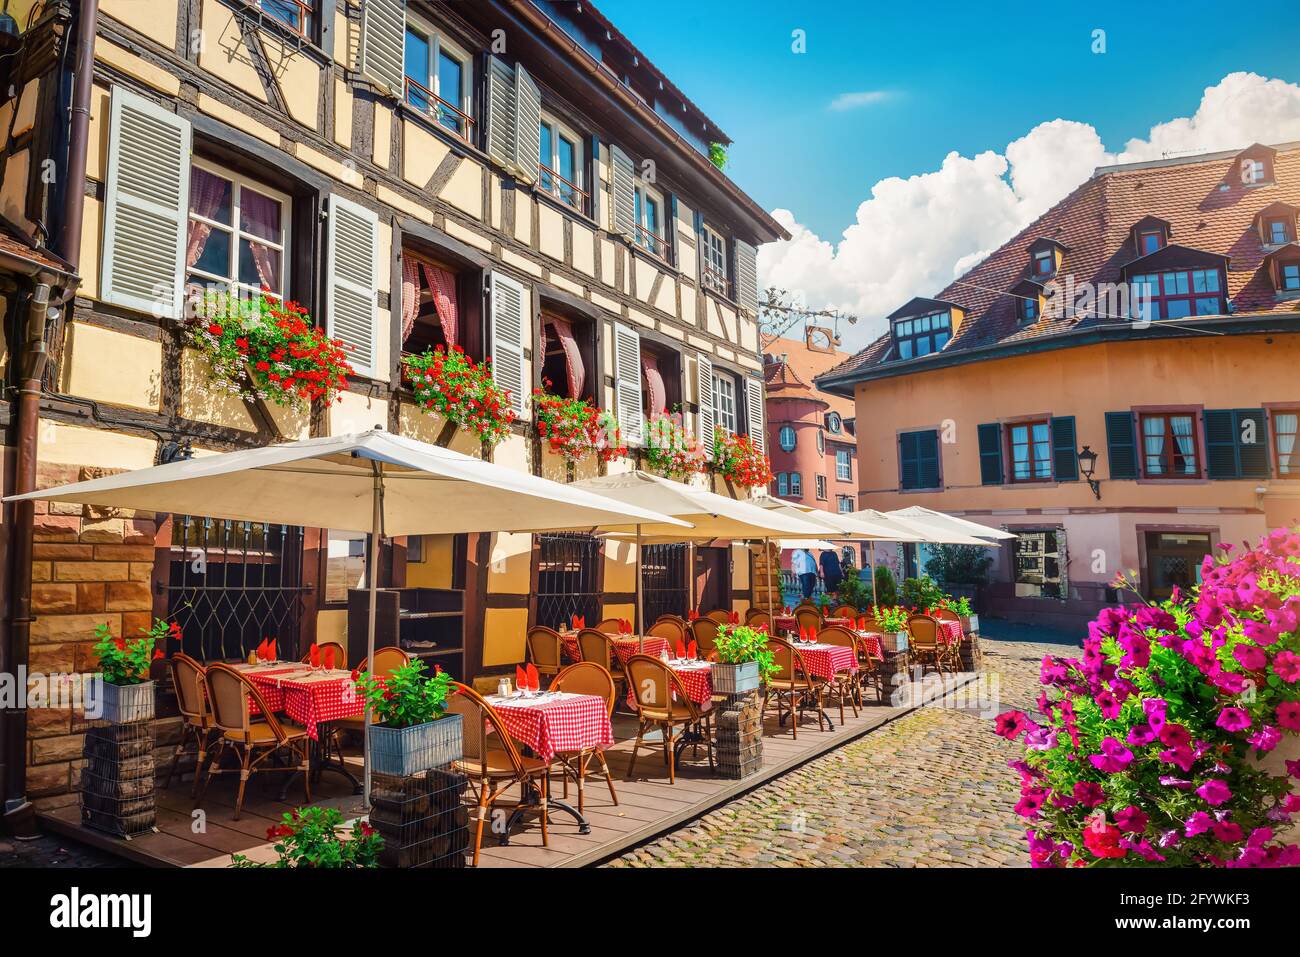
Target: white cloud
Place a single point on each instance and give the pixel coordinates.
(913, 236)
(853, 101)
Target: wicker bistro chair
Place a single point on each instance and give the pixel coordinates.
(586, 677)
(254, 740)
(923, 648)
(951, 653)
(807, 616)
(793, 686)
(661, 699)
(755, 618)
(870, 667)
(845, 683)
(705, 633)
(340, 653)
(495, 765)
(720, 615)
(609, 626)
(596, 647)
(192, 701)
(669, 629)
(544, 649)
(845, 611)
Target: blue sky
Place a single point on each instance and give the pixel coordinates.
(953, 77)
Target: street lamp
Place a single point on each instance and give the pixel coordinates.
(1087, 463)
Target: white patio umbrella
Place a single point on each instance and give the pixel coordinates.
(951, 522)
(712, 516)
(372, 482)
(818, 543)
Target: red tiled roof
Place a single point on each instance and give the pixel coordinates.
(1205, 204)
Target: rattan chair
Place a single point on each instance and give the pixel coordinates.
(669, 629)
(597, 647)
(705, 633)
(545, 647)
(494, 765)
(951, 652)
(793, 686)
(923, 648)
(755, 618)
(192, 702)
(610, 626)
(254, 740)
(871, 667)
(387, 660)
(808, 616)
(586, 677)
(340, 654)
(661, 700)
(720, 615)
(845, 683)
(845, 611)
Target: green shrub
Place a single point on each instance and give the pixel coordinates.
(886, 587)
(854, 591)
(959, 564)
(922, 593)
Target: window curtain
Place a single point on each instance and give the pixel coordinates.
(260, 216)
(206, 193)
(654, 383)
(1286, 424)
(1154, 436)
(441, 284)
(574, 370)
(1182, 428)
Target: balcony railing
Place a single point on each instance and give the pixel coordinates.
(654, 243)
(443, 113)
(295, 14)
(714, 278)
(562, 189)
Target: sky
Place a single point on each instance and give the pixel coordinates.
(908, 140)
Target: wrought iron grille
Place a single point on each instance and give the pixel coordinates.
(664, 588)
(568, 566)
(233, 584)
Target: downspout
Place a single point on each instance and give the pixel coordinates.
(74, 196)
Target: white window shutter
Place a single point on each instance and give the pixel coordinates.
(147, 198)
(352, 268)
(627, 383)
(746, 276)
(500, 111)
(382, 52)
(704, 386)
(754, 412)
(623, 175)
(510, 317)
(528, 121)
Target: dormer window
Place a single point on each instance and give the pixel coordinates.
(1045, 258)
(1150, 241)
(1028, 296)
(1252, 171)
(922, 335)
(1278, 231)
(1177, 293)
(1283, 268)
(1044, 263)
(1029, 310)
(1254, 165)
(1289, 277)
(1277, 224)
(1150, 235)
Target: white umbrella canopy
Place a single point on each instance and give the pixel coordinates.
(924, 531)
(852, 526)
(951, 522)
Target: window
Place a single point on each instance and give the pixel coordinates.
(844, 504)
(844, 465)
(439, 78)
(713, 260)
(724, 403)
(834, 424)
(788, 438)
(1252, 171)
(1278, 231)
(1029, 309)
(821, 443)
(796, 485)
(238, 233)
(1169, 446)
(294, 14)
(661, 379)
(568, 357)
(820, 484)
(782, 483)
(648, 207)
(918, 460)
(1038, 565)
(1286, 424)
(1150, 241)
(1044, 263)
(560, 163)
(1177, 293)
(1030, 444)
(1289, 276)
(431, 314)
(345, 564)
(922, 335)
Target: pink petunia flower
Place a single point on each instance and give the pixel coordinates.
(1288, 715)
(1214, 792)
(1233, 719)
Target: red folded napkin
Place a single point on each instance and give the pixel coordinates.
(313, 655)
(521, 678)
(534, 679)
(328, 655)
(272, 652)
(692, 614)
(681, 649)
(691, 650)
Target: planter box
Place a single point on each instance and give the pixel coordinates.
(124, 704)
(970, 624)
(895, 641)
(735, 678)
(405, 751)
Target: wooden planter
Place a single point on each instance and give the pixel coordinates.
(402, 752)
(125, 704)
(735, 678)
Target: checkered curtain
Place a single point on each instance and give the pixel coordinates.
(442, 289)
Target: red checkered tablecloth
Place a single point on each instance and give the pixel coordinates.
(949, 632)
(697, 679)
(790, 623)
(307, 697)
(822, 661)
(624, 648)
(871, 641)
(567, 722)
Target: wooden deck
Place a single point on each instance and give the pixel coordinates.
(648, 806)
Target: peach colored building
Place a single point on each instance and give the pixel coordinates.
(1149, 318)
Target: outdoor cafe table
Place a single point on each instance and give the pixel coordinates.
(697, 679)
(790, 623)
(310, 698)
(624, 646)
(949, 632)
(823, 661)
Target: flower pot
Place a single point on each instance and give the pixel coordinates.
(735, 678)
(894, 641)
(406, 751)
(970, 624)
(123, 704)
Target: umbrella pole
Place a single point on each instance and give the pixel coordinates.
(767, 560)
(640, 617)
(372, 584)
(690, 573)
(871, 548)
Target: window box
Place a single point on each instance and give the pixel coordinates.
(125, 704)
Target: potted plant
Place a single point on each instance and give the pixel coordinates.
(315, 837)
(744, 659)
(737, 460)
(970, 623)
(127, 692)
(671, 450)
(893, 623)
(463, 392)
(573, 427)
(411, 731)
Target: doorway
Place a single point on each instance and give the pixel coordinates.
(712, 578)
(1173, 560)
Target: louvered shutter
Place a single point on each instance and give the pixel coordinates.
(528, 120)
(509, 307)
(704, 388)
(147, 197)
(1253, 444)
(500, 112)
(623, 174)
(1220, 444)
(990, 439)
(627, 383)
(746, 275)
(352, 267)
(1065, 460)
(928, 459)
(1121, 445)
(383, 43)
(909, 460)
(754, 412)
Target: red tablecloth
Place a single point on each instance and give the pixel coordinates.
(949, 632)
(822, 661)
(871, 641)
(790, 623)
(624, 648)
(697, 679)
(307, 698)
(567, 722)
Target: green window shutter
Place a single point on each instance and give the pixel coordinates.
(909, 464)
(990, 436)
(1221, 460)
(1252, 443)
(1121, 445)
(928, 454)
(1065, 460)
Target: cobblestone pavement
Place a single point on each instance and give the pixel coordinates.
(931, 789)
(49, 850)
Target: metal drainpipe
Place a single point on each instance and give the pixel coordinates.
(74, 199)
